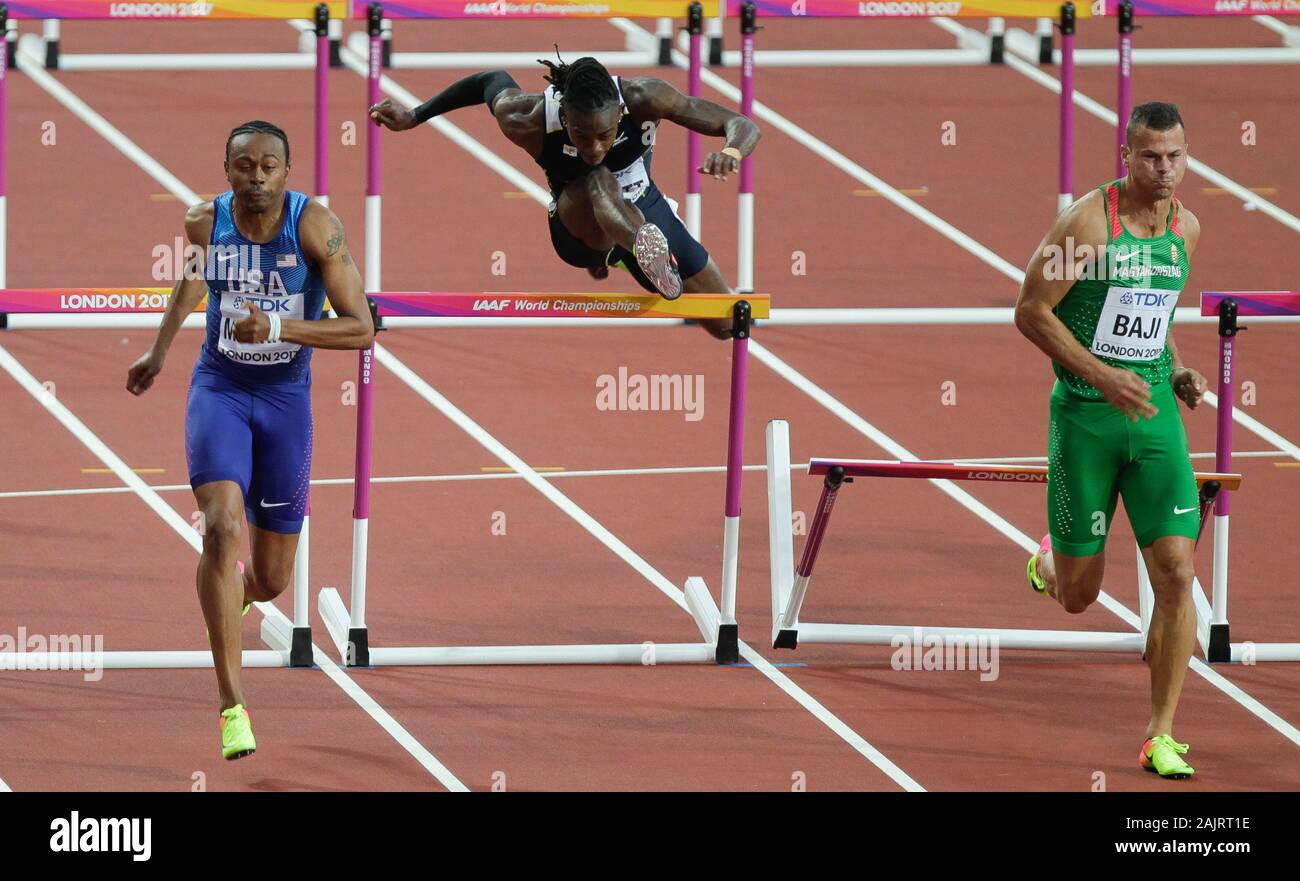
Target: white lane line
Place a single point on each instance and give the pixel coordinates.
(34, 67)
(409, 478)
(1111, 118)
(1258, 428)
(991, 517)
(551, 475)
(830, 720)
(4, 787)
(182, 527)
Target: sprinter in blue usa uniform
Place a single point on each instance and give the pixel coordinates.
(272, 256)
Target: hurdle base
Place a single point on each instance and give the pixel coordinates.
(1219, 650)
(728, 647)
(300, 654)
(358, 648)
(786, 639)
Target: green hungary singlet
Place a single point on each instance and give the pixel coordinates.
(1121, 314)
(1121, 307)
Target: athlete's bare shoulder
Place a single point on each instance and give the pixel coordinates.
(1084, 221)
(198, 223)
(521, 117)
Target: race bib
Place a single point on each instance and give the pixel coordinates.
(234, 308)
(634, 180)
(1134, 323)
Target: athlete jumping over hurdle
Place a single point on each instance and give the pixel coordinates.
(593, 135)
(271, 258)
(1103, 315)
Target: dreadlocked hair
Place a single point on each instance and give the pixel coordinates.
(258, 126)
(585, 85)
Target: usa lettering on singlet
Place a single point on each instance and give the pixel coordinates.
(276, 277)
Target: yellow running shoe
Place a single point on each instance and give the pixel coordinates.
(1031, 568)
(236, 733)
(1163, 755)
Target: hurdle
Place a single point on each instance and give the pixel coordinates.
(346, 624)
(288, 642)
(790, 582)
(1228, 307)
(50, 41)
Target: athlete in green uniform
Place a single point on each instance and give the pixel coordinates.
(1098, 299)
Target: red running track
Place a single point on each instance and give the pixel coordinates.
(899, 552)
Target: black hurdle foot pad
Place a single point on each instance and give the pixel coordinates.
(358, 653)
(1220, 650)
(300, 648)
(728, 651)
(715, 52)
(786, 639)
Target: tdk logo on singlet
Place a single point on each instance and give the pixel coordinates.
(266, 304)
(1145, 299)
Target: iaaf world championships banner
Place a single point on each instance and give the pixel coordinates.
(508, 9)
(1007, 8)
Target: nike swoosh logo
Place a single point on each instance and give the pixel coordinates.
(1178, 510)
(1129, 256)
(224, 257)
(620, 139)
(282, 504)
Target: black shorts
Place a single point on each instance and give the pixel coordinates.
(690, 255)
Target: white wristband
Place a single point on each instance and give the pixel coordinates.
(273, 336)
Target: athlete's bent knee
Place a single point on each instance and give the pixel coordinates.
(270, 584)
(1077, 596)
(222, 530)
(1171, 582)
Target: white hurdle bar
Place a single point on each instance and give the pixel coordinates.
(56, 59)
(1026, 45)
(639, 53)
(973, 49)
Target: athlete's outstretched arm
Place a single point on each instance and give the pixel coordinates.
(651, 99)
(323, 242)
(186, 294)
(1077, 237)
(477, 88)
